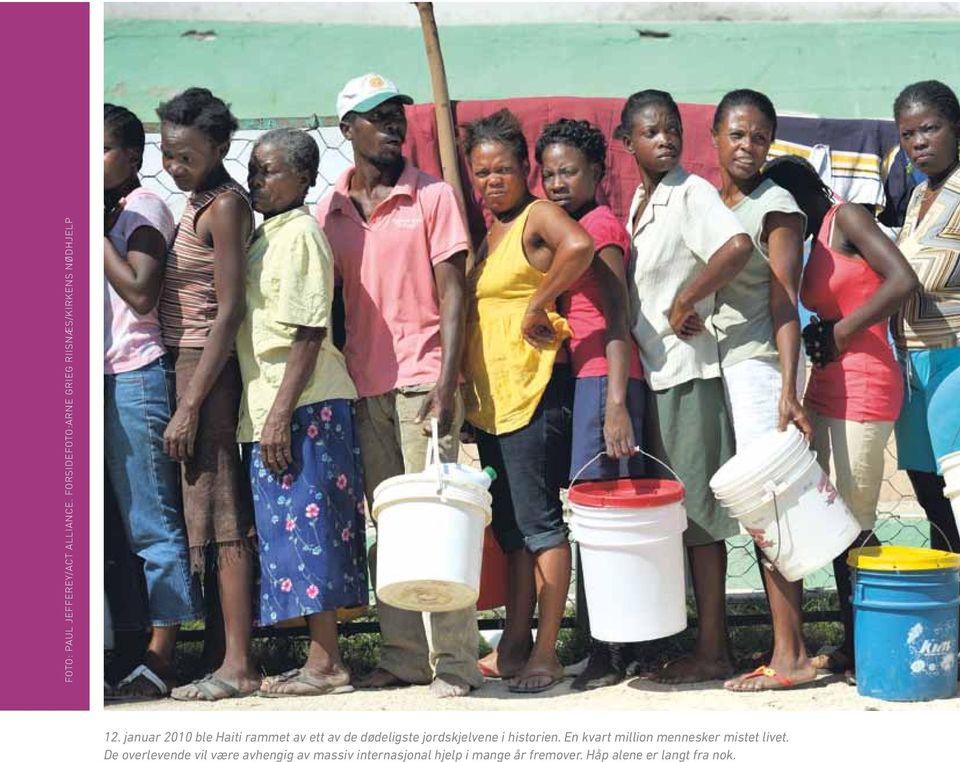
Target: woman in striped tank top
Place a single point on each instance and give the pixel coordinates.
(201, 309)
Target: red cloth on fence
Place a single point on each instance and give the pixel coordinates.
(622, 176)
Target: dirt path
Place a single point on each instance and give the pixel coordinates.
(829, 693)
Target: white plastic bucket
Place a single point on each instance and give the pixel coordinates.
(430, 538)
(950, 465)
(787, 468)
(630, 536)
(789, 508)
(738, 477)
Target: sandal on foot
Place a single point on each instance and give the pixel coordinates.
(784, 683)
(517, 687)
(143, 676)
(310, 684)
(211, 688)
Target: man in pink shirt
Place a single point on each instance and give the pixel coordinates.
(399, 248)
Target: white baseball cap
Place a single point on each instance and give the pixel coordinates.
(363, 94)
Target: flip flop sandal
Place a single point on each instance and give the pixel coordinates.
(319, 686)
(204, 688)
(517, 688)
(142, 672)
(764, 671)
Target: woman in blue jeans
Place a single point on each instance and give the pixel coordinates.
(138, 402)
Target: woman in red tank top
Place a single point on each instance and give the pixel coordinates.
(855, 279)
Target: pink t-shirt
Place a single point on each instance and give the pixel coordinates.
(583, 306)
(865, 383)
(386, 267)
(132, 340)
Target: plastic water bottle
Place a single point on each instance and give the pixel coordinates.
(469, 474)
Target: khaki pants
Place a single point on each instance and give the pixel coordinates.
(858, 451)
(416, 646)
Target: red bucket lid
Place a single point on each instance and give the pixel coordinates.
(627, 493)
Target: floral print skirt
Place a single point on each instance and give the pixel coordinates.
(310, 519)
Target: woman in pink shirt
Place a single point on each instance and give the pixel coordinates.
(855, 279)
(609, 392)
(138, 403)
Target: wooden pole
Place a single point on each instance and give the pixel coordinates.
(446, 133)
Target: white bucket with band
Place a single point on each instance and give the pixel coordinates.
(776, 489)
(630, 535)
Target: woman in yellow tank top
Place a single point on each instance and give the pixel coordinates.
(518, 392)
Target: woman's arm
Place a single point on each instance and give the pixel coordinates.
(722, 267)
(275, 437)
(228, 222)
(565, 255)
(899, 279)
(784, 234)
(618, 433)
(137, 277)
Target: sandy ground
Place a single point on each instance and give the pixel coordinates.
(828, 693)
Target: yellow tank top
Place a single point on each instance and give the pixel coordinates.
(505, 376)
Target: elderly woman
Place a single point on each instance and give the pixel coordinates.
(296, 421)
(927, 328)
(518, 393)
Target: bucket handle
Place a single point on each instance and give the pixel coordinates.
(433, 454)
(872, 533)
(636, 448)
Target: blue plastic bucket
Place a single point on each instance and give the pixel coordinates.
(905, 607)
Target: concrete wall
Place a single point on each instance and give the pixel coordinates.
(835, 69)
(402, 14)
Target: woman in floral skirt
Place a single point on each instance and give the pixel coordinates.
(297, 420)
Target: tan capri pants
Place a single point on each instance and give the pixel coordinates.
(858, 450)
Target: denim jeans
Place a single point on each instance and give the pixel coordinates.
(138, 405)
(532, 465)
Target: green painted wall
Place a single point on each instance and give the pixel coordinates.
(848, 69)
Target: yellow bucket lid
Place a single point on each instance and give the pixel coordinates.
(895, 558)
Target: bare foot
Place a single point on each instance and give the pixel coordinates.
(537, 676)
(504, 662)
(770, 678)
(449, 686)
(378, 679)
(692, 669)
(834, 659)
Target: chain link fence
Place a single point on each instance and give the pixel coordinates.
(336, 155)
(900, 521)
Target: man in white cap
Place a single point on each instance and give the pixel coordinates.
(400, 246)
